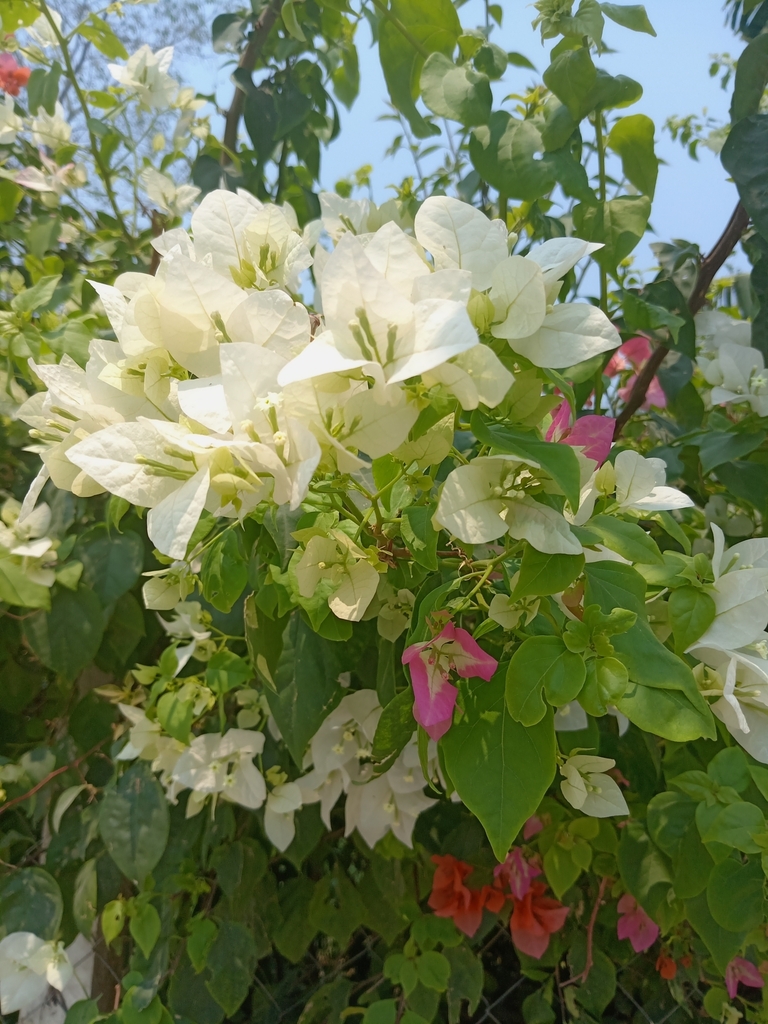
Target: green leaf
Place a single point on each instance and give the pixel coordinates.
(395, 727)
(293, 937)
(627, 539)
(112, 920)
(84, 1011)
(691, 613)
(747, 480)
(632, 138)
(503, 153)
(644, 870)
(491, 60)
(43, 89)
(646, 316)
(729, 767)
(632, 16)
(486, 744)
(732, 825)
(542, 662)
(10, 197)
(18, 14)
(85, 897)
(336, 907)
(30, 901)
(718, 447)
(571, 77)
(542, 574)
(751, 79)
(419, 534)
(291, 21)
(145, 928)
(134, 822)
(735, 894)
(67, 638)
(671, 714)
(98, 32)
(226, 672)
(458, 93)
(599, 988)
(232, 961)
(745, 157)
(465, 983)
(384, 1011)
(433, 970)
(722, 944)
(37, 297)
(111, 564)
(619, 224)
(224, 571)
(558, 460)
(434, 27)
(202, 932)
(561, 869)
(17, 589)
(306, 688)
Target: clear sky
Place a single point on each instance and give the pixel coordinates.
(693, 200)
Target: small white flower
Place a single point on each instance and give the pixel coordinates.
(223, 765)
(166, 194)
(146, 75)
(41, 31)
(282, 803)
(587, 788)
(10, 122)
(28, 965)
(49, 130)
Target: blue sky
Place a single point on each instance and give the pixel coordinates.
(693, 200)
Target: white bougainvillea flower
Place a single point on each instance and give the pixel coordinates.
(519, 297)
(145, 75)
(740, 592)
(338, 561)
(374, 808)
(715, 328)
(459, 236)
(395, 612)
(51, 130)
(740, 681)
(474, 377)
(167, 587)
(166, 194)
(571, 718)
(28, 966)
(372, 325)
(638, 485)
(223, 765)
(347, 733)
(339, 215)
(486, 499)
(145, 737)
(739, 376)
(282, 803)
(571, 332)
(587, 788)
(276, 251)
(557, 256)
(10, 122)
(190, 622)
(41, 31)
(26, 541)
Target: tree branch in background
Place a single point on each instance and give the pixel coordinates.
(251, 53)
(709, 267)
(51, 775)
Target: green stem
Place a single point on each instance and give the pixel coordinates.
(386, 13)
(503, 201)
(102, 168)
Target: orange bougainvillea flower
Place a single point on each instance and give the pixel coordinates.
(535, 918)
(451, 898)
(666, 967)
(12, 76)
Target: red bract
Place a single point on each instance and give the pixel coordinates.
(451, 898)
(535, 918)
(666, 967)
(12, 76)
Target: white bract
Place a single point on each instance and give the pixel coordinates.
(28, 965)
(635, 484)
(740, 682)
(740, 592)
(51, 130)
(738, 376)
(146, 76)
(10, 122)
(222, 765)
(587, 788)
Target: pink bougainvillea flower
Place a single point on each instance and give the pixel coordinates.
(12, 76)
(431, 663)
(633, 355)
(635, 925)
(593, 434)
(532, 827)
(517, 873)
(535, 918)
(741, 970)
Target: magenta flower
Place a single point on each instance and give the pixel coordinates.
(517, 872)
(741, 970)
(633, 355)
(635, 925)
(532, 827)
(431, 663)
(593, 434)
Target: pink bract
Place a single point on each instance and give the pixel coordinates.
(635, 925)
(517, 872)
(741, 970)
(430, 663)
(593, 434)
(532, 827)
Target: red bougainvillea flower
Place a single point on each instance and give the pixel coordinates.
(431, 663)
(633, 355)
(451, 898)
(535, 918)
(666, 967)
(517, 873)
(741, 970)
(12, 76)
(593, 434)
(635, 925)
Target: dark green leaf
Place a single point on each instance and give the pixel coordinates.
(224, 571)
(465, 983)
(718, 447)
(395, 728)
(735, 894)
(336, 907)
(67, 638)
(691, 613)
(632, 138)
(751, 79)
(503, 153)
(619, 224)
(722, 944)
(745, 157)
(542, 574)
(627, 539)
(231, 961)
(458, 93)
(419, 534)
(571, 77)
(134, 822)
(111, 563)
(632, 16)
(30, 901)
(542, 662)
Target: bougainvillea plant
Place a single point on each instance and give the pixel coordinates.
(383, 588)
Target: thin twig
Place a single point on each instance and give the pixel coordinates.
(251, 54)
(589, 963)
(52, 775)
(709, 267)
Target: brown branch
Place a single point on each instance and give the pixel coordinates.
(710, 265)
(251, 53)
(52, 775)
(589, 963)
